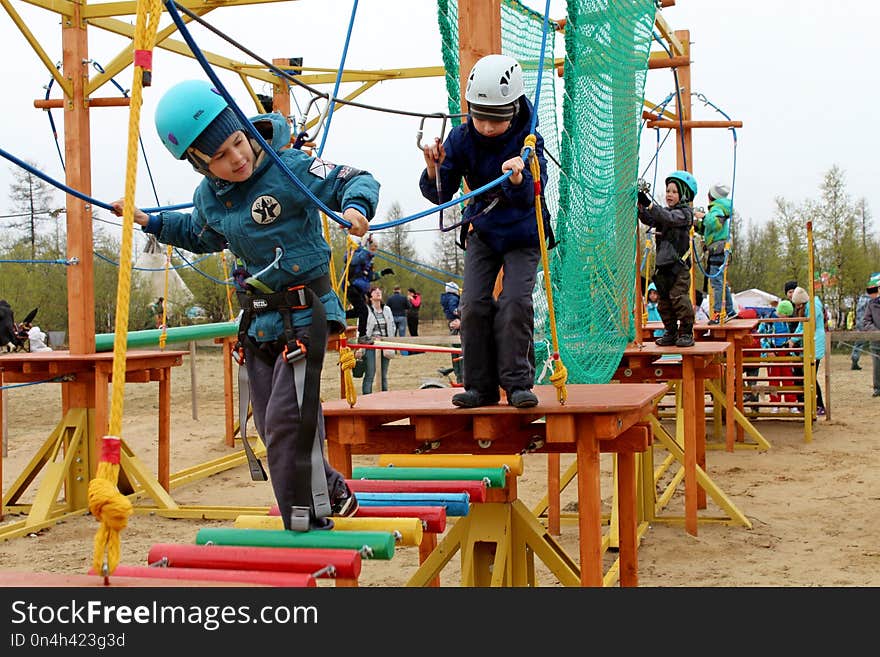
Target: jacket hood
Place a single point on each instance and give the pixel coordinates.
(723, 204)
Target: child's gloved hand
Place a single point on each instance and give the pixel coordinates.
(387, 272)
(644, 200)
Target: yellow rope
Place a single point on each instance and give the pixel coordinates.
(228, 287)
(104, 497)
(347, 358)
(560, 373)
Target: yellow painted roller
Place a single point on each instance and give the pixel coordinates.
(514, 462)
(407, 531)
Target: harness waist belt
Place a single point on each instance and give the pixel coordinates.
(293, 297)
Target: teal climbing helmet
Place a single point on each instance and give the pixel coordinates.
(685, 182)
(184, 112)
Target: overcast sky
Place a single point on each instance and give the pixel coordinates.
(799, 75)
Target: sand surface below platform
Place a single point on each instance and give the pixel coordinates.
(813, 506)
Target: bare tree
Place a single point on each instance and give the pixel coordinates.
(32, 197)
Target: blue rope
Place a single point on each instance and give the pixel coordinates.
(420, 273)
(400, 259)
(57, 261)
(9, 386)
(678, 95)
(116, 263)
(332, 98)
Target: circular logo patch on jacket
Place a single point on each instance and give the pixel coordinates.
(265, 209)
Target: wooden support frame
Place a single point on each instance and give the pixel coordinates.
(594, 418)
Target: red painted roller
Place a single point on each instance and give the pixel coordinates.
(434, 517)
(475, 489)
(257, 577)
(275, 559)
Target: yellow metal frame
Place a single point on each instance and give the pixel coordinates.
(63, 460)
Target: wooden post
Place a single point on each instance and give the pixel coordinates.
(479, 34)
(193, 380)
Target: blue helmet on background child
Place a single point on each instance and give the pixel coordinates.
(686, 184)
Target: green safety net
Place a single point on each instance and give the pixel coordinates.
(592, 169)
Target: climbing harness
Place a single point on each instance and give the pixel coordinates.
(310, 496)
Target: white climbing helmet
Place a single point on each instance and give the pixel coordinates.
(495, 80)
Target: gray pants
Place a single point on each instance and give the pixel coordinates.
(497, 336)
(276, 415)
(858, 349)
(875, 357)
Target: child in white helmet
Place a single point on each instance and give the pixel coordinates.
(249, 204)
(496, 334)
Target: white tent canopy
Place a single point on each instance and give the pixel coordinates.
(753, 298)
(150, 267)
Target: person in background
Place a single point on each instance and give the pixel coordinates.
(789, 288)
(36, 338)
(803, 308)
(245, 202)
(412, 311)
(862, 305)
(157, 310)
(778, 374)
(450, 300)
(714, 226)
(360, 279)
(699, 312)
(380, 324)
(871, 322)
(672, 226)
(651, 308)
(399, 304)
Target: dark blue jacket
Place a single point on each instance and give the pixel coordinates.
(360, 270)
(449, 303)
(510, 223)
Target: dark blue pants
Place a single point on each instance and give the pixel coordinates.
(497, 335)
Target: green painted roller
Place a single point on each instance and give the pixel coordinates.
(371, 545)
(150, 337)
(494, 476)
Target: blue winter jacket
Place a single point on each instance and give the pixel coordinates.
(267, 212)
(510, 223)
(449, 302)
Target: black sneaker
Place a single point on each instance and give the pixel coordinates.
(522, 398)
(666, 340)
(855, 366)
(344, 502)
(685, 340)
(473, 399)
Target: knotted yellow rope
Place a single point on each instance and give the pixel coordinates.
(560, 373)
(347, 362)
(104, 497)
(110, 507)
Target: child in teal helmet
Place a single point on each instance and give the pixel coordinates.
(672, 226)
(248, 204)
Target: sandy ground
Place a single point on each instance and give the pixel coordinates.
(813, 506)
